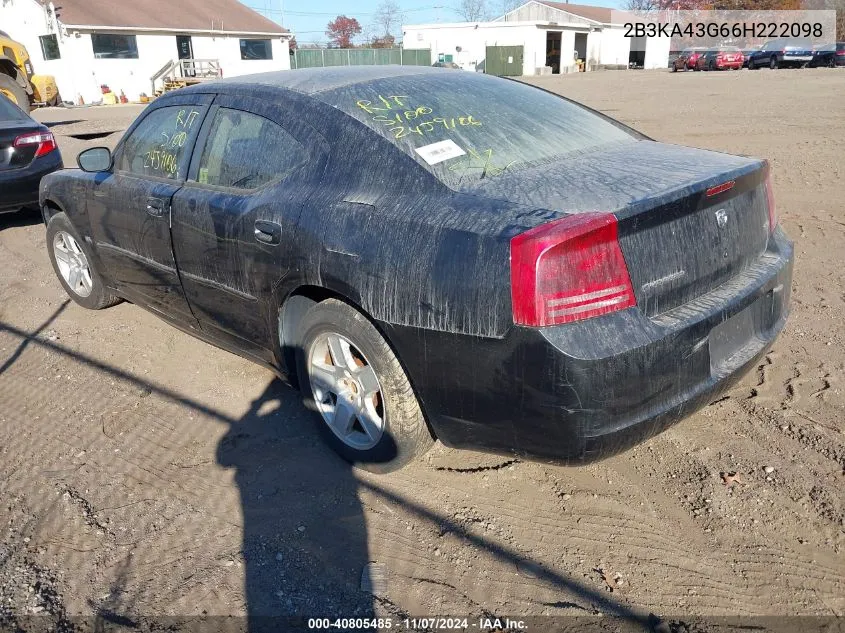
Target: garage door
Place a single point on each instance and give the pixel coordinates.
(504, 61)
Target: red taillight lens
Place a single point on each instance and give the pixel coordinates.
(44, 140)
(568, 270)
(770, 198)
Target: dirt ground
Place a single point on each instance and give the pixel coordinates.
(144, 473)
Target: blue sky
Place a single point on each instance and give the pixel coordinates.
(308, 18)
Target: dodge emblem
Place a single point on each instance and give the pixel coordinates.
(721, 218)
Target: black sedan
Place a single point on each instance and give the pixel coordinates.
(435, 255)
(28, 151)
(829, 55)
(782, 53)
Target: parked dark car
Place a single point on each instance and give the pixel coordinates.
(432, 254)
(451, 65)
(829, 55)
(727, 58)
(688, 58)
(779, 53)
(746, 55)
(28, 151)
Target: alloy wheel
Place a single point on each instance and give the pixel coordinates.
(346, 391)
(72, 264)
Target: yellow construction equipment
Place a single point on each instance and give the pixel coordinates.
(18, 80)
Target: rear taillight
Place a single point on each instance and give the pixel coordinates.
(568, 270)
(770, 198)
(44, 140)
(841, 53)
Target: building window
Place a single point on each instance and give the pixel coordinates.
(256, 49)
(50, 47)
(112, 46)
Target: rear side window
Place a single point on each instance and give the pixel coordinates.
(247, 151)
(157, 147)
(470, 127)
(9, 111)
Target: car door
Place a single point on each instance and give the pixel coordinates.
(129, 208)
(235, 219)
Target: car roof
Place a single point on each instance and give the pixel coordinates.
(314, 80)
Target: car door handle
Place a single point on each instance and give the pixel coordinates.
(155, 207)
(268, 232)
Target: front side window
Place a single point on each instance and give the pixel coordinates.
(50, 47)
(256, 49)
(114, 46)
(156, 148)
(247, 151)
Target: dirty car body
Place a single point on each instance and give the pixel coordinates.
(553, 284)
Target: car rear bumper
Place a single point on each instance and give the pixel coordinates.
(587, 390)
(19, 187)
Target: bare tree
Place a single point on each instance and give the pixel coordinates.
(388, 17)
(641, 5)
(473, 10)
(509, 5)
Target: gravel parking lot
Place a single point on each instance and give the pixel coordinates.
(144, 473)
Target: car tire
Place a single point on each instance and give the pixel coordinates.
(11, 87)
(345, 367)
(674, 68)
(773, 62)
(74, 265)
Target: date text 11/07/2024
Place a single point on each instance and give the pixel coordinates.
(484, 624)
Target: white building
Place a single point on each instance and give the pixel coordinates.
(551, 36)
(123, 44)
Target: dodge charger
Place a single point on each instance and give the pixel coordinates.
(434, 255)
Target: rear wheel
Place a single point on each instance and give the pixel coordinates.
(74, 266)
(711, 65)
(10, 89)
(368, 412)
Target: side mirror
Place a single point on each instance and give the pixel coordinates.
(95, 160)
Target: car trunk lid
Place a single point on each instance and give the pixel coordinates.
(678, 242)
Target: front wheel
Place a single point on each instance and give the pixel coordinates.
(74, 266)
(773, 63)
(368, 412)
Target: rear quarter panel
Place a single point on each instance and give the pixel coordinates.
(400, 244)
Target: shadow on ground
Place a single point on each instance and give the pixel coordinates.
(24, 217)
(304, 531)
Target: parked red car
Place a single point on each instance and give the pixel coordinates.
(687, 59)
(727, 58)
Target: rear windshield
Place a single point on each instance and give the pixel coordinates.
(465, 127)
(9, 111)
